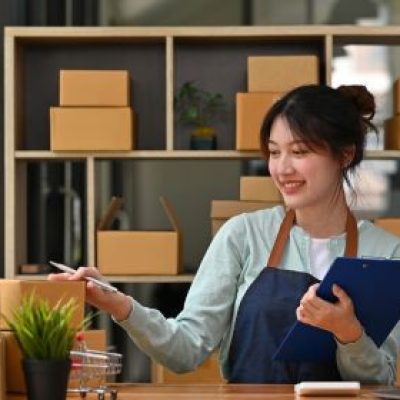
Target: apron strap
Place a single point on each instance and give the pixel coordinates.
(281, 239)
(284, 232)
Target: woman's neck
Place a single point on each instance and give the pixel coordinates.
(323, 221)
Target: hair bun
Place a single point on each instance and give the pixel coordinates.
(362, 98)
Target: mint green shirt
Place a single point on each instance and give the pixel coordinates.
(232, 262)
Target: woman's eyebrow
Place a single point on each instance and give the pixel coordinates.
(295, 141)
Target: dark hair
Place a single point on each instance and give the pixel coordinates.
(333, 119)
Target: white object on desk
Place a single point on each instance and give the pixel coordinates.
(327, 388)
(98, 283)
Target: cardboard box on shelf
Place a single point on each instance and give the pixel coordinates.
(259, 188)
(396, 97)
(91, 128)
(139, 252)
(392, 133)
(94, 88)
(251, 109)
(281, 73)
(12, 292)
(391, 225)
(222, 210)
(14, 377)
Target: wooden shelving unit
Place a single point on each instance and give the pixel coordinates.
(160, 60)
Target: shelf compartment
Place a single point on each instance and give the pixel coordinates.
(56, 217)
(220, 66)
(39, 85)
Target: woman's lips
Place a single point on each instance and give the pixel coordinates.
(291, 187)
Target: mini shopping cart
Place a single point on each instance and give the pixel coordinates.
(90, 369)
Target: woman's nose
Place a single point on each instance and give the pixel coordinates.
(285, 165)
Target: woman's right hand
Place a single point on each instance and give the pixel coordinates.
(118, 304)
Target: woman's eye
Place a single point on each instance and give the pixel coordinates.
(300, 152)
(273, 153)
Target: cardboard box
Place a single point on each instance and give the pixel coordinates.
(94, 88)
(91, 128)
(3, 368)
(140, 252)
(391, 225)
(281, 73)
(222, 210)
(396, 97)
(208, 372)
(259, 188)
(392, 133)
(13, 291)
(251, 109)
(15, 381)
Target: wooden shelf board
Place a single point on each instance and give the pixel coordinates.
(83, 33)
(126, 278)
(139, 154)
(382, 154)
(174, 154)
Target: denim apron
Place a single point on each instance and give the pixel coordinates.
(267, 311)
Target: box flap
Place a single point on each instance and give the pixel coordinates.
(110, 214)
(170, 213)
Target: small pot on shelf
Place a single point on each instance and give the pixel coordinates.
(203, 138)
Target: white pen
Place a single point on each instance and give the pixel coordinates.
(100, 284)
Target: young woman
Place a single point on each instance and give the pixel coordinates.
(262, 269)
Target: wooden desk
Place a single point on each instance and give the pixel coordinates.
(209, 392)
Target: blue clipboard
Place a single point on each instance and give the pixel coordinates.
(374, 287)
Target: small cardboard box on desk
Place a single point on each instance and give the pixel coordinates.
(12, 291)
(3, 368)
(14, 376)
(11, 295)
(138, 252)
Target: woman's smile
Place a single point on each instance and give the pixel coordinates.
(291, 187)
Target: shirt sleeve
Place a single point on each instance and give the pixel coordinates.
(365, 362)
(184, 342)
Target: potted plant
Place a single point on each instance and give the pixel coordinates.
(199, 108)
(45, 337)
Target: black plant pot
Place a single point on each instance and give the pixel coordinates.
(46, 379)
(203, 138)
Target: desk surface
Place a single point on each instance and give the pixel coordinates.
(209, 392)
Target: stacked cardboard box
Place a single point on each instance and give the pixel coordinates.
(11, 294)
(392, 125)
(268, 78)
(94, 112)
(256, 193)
(14, 376)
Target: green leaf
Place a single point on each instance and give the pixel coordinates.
(198, 107)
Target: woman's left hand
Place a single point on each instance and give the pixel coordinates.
(338, 318)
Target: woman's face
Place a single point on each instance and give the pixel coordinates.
(305, 178)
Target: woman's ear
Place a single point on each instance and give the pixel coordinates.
(348, 155)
